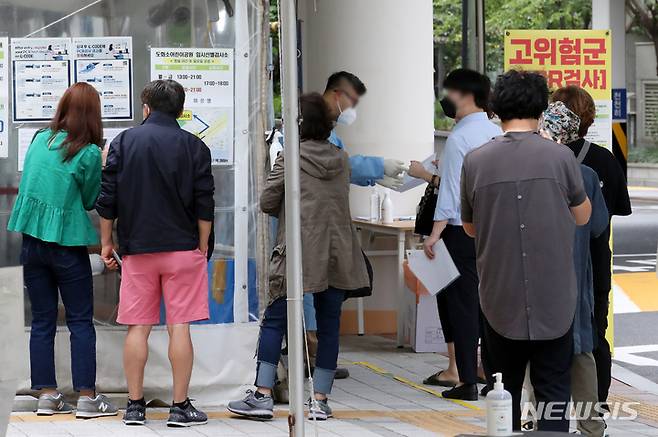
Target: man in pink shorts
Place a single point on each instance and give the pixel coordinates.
(158, 185)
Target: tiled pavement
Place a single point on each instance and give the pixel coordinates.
(382, 398)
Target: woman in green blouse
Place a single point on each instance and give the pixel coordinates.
(61, 180)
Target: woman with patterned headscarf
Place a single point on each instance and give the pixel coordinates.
(561, 125)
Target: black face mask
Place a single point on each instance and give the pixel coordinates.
(449, 108)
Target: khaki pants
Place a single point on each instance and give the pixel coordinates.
(584, 388)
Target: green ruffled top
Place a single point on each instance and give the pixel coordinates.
(54, 196)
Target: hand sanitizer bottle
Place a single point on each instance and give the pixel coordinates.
(387, 209)
(374, 206)
(499, 409)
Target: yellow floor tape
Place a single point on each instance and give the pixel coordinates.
(412, 384)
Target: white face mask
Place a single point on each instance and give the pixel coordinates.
(346, 117)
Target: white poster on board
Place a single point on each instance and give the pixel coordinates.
(41, 75)
(600, 132)
(4, 97)
(25, 135)
(207, 76)
(109, 134)
(106, 64)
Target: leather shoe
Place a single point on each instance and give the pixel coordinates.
(342, 373)
(466, 392)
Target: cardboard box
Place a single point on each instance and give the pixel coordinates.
(421, 327)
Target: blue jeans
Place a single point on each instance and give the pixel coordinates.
(309, 313)
(47, 268)
(328, 305)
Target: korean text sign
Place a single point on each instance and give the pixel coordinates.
(207, 77)
(569, 57)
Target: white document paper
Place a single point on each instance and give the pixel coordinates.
(409, 182)
(106, 64)
(25, 135)
(41, 69)
(437, 273)
(109, 134)
(4, 97)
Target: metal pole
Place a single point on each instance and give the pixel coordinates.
(465, 51)
(289, 95)
(479, 16)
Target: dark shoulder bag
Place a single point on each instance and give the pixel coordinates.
(425, 211)
(364, 291)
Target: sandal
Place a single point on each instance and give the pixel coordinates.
(434, 380)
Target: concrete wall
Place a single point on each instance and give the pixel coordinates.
(645, 71)
(388, 44)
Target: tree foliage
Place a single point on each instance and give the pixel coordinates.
(645, 19)
(501, 15)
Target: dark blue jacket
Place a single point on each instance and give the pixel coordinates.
(583, 327)
(157, 182)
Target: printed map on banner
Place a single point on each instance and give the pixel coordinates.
(41, 74)
(569, 57)
(207, 76)
(4, 97)
(106, 64)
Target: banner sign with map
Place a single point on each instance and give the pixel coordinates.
(569, 57)
(207, 76)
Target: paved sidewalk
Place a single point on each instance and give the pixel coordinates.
(382, 398)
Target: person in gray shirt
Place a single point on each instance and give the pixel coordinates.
(521, 199)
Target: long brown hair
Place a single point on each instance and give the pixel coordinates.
(79, 114)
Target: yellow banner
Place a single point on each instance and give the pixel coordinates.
(566, 57)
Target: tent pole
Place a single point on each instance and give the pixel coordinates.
(289, 94)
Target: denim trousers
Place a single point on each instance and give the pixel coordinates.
(328, 306)
(50, 270)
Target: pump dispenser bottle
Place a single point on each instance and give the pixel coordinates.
(387, 209)
(499, 409)
(374, 206)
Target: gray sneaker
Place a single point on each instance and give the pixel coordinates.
(99, 406)
(253, 407)
(319, 410)
(53, 404)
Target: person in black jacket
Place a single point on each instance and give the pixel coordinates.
(615, 193)
(158, 184)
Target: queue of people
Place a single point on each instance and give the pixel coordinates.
(509, 198)
(539, 219)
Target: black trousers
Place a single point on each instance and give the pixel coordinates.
(602, 354)
(459, 305)
(550, 372)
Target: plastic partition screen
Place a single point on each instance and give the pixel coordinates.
(230, 27)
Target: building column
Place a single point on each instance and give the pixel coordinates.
(388, 44)
(611, 14)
